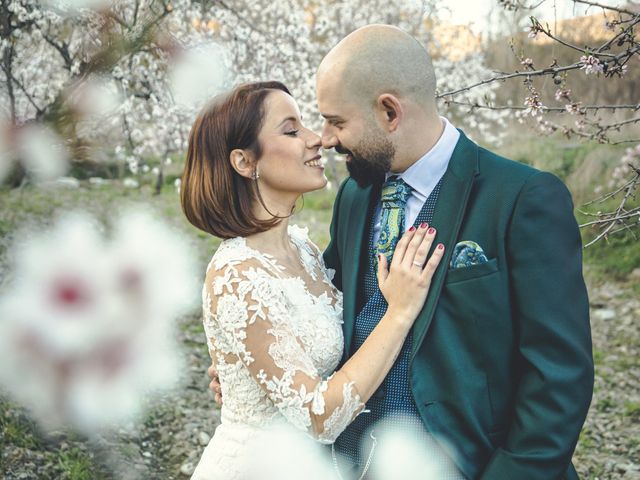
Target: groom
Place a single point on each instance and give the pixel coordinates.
(498, 366)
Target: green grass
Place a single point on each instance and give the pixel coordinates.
(632, 409)
(16, 428)
(76, 465)
(605, 404)
(598, 356)
(615, 257)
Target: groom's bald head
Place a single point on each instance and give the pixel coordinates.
(379, 59)
(376, 92)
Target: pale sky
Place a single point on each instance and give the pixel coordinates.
(476, 12)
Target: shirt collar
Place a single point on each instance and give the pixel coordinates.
(425, 173)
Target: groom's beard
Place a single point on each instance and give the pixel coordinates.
(370, 160)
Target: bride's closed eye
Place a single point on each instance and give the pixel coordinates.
(292, 133)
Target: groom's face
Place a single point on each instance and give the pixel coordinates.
(352, 131)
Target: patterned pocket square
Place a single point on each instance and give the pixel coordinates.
(467, 253)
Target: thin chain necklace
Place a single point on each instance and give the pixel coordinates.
(366, 466)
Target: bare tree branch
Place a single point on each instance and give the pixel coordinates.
(606, 7)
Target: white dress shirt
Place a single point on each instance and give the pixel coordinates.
(423, 176)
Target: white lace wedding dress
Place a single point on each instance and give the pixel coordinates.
(276, 341)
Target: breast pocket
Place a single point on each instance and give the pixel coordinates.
(456, 275)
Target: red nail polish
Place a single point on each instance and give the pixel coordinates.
(423, 225)
(440, 246)
(431, 230)
(412, 229)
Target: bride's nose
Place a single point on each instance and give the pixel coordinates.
(314, 141)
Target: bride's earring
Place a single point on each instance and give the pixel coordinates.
(256, 175)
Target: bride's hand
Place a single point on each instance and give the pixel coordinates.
(214, 385)
(406, 283)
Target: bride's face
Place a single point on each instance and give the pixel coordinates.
(290, 160)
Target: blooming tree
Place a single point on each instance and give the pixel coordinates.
(115, 80)
(617, 52)
(108, 79)
(100, 78)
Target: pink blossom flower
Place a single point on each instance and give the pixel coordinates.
(527, 62)
(86, 327)
(533, 104)
(591, 64)
(573, 108)
(563, 93)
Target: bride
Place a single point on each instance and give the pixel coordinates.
(272, 317)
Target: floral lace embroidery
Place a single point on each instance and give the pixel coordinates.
(274, 342)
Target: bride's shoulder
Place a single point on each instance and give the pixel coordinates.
(231, 253)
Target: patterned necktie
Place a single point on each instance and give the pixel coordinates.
(395, 193)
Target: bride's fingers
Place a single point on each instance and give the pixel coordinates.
(413, 246)
(383, 270)
(433, 262)
(401, 247)
(422, 251)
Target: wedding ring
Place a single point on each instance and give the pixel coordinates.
(418, 264)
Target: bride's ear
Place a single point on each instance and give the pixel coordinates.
(242, 163)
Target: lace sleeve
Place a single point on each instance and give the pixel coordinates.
(247, 319)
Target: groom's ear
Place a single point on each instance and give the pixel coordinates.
(390, 111)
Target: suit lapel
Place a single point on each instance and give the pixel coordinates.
(359, 209)
(447, 219)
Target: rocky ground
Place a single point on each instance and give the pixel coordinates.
(169, 441)
(609, 446)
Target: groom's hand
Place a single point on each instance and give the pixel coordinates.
(214, 385)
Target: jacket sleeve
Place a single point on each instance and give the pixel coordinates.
(551, 309)
(331, 255)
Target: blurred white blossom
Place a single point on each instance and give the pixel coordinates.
(286, 453)
(86, 327)
(198, 74)
(96, 97)
(130, 182)
(98, 181)
(402, 456)
(42, 152)
(74, 7)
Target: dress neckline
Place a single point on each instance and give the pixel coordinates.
(273, 261)
(307, 266)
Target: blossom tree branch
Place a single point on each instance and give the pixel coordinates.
(600, 61)
(620, 219)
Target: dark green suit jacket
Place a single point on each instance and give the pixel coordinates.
(501, 367)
